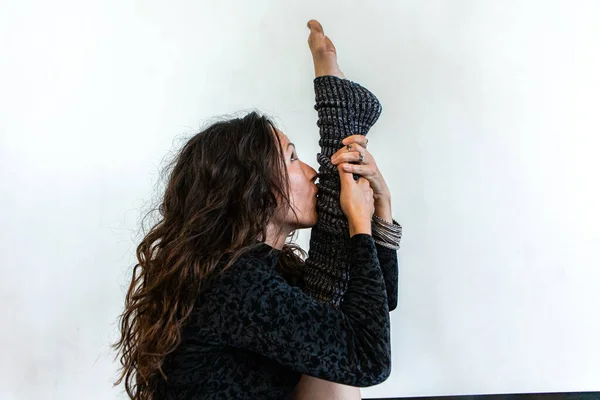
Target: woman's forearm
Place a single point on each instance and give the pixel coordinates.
(383, 209)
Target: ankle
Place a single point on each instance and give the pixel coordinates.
(327, 65)
(329, 72)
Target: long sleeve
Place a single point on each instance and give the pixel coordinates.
(344, 108)
(257, 310)
(388, 260)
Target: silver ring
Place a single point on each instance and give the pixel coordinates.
(362, 157)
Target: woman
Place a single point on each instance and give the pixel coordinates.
(219, 306)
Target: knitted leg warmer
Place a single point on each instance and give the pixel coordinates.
(344, 108)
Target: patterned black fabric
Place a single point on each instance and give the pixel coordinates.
(388, 260)
(251, 335)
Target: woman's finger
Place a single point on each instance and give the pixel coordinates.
(350, 148)
(355, 147)
(353, 156)
(359, 169)
(359, 139)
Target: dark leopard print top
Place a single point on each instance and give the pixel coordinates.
(252, 334)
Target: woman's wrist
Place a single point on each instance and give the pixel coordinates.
(357, 227)
(383, 209)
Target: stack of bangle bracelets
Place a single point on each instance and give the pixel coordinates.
(386, 234)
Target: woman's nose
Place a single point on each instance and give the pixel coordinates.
(311, 173)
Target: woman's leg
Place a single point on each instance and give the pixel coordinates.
(345, 108)
(311, 388)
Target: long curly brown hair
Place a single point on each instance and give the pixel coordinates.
(222, 190)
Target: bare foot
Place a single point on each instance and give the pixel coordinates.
(323, 51)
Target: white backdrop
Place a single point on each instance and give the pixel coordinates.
(488, 140)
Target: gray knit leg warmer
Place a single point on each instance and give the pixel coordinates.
(344, 108)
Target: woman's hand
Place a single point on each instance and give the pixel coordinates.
(355, 145)
(357, 202)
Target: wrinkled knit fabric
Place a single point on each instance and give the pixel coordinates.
(344, 108)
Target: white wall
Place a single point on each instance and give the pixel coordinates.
(488, 139)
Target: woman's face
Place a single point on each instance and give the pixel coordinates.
(302, 187)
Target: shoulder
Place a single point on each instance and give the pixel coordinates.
(247, 274)
(228, 292)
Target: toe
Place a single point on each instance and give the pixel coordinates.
(315, 26)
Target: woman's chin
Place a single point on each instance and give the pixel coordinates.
(311, 224)
(315, 219)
